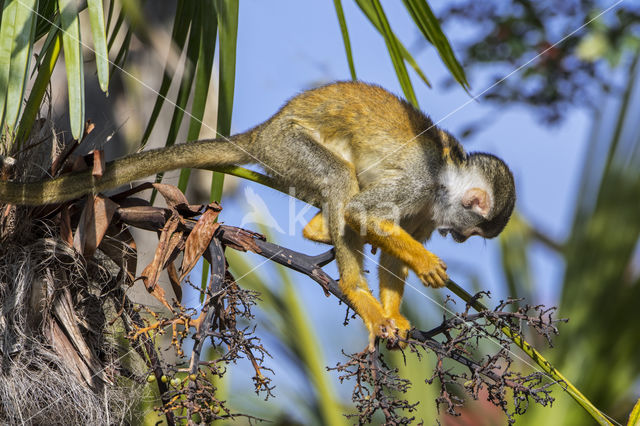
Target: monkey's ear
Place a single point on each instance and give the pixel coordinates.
(477, 200)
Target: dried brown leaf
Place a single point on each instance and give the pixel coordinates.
(79, 239)
(240, 239)
(199, 240)
(64, 348)
(88, 128)
(174, 198)
(144, 217)
(79, 164)
(98, 163)
(68, 320)
(175, 281)
(66, 234)
(121, 248)
(171, 241)
(124, 195)
(60, 162)
(158, 293)
(94, 221)
(172, 195)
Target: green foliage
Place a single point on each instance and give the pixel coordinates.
(345, 37)
(429, 26)
(375, 14)
(204, 69)
(393, 46)
(599, 255)
(96, 17)
(634, 417)
(17, 29)
(45, 69)
(25, 22)
(184, 17)
(72, 47)
(227, 11)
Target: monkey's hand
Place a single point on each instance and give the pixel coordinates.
(431, 270)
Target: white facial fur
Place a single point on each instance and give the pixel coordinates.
(457, 182)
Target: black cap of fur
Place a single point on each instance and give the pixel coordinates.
(504, 191)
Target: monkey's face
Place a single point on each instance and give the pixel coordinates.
(467, 220)
(503, 192)
(478, 199)
(465, 206)
(461, 233)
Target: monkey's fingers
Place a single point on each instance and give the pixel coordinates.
(436, 278)
(430, 269)
(396, 343)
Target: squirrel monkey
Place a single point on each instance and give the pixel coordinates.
(358, 151)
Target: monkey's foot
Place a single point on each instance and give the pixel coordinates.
(371, 312)
(400, 331)
(432, 271)
(380, 327)
(394, 329)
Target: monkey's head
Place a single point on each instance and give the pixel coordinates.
(477, 198)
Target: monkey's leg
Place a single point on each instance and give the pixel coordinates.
(349, 248)
(392, 274)
(349, 253)
(317, 230)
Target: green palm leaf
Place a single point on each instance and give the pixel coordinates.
(428, 24)
(227, 11)
(208, 35)
(16, 42)
(345, 37)
(72, 48)
(96, 17)
(181, 24)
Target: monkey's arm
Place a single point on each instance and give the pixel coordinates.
(397, 242)
(364, 213)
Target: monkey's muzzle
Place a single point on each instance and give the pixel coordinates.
(457, 236)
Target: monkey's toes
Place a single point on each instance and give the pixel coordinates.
(384, 329)
(399, 332)
(394, 329)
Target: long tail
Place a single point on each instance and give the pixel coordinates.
(198, 154)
